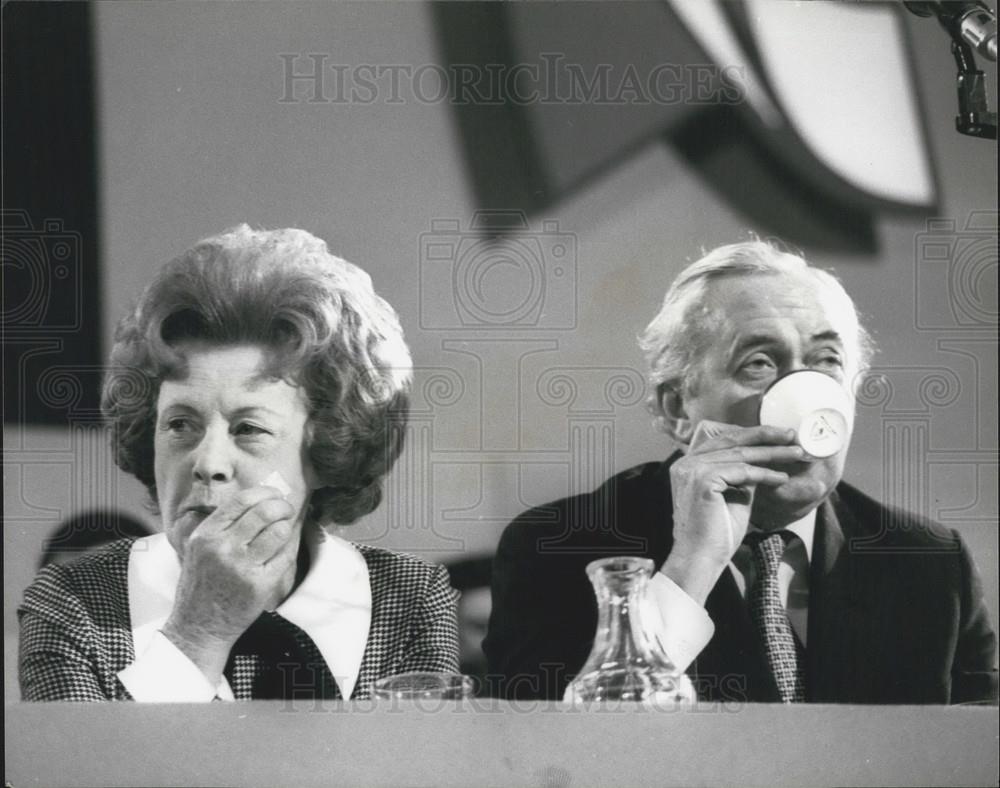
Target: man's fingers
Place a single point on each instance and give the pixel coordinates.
(742, 475)
(726, 436)
(754, 455)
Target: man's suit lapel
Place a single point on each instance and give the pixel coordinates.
(841, 656)
(732, 667)
(847, 626)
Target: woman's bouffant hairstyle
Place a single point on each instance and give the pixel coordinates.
(675, 339)
(332, 334)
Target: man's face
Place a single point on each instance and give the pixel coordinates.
(222, 429)
(763, 327)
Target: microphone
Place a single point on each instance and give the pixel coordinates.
(971, 21)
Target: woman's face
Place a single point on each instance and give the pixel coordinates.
(223, 428)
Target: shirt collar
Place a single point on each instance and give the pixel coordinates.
(332, 604)
(805, 529)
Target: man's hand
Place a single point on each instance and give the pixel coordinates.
(713, 487)
(237, 563)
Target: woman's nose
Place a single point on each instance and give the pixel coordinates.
(213, 457)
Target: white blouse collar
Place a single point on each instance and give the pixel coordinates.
(332, 604)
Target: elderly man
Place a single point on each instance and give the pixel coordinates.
(876, 605)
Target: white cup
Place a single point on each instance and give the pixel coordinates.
(814, 405)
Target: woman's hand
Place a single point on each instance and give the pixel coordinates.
(237, 563)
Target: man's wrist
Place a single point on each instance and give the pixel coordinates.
(695, 575)
(685, 628)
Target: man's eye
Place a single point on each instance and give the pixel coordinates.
(251, 430)
(758, 364)
(829, 361)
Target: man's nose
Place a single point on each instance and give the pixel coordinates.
(793, 364)
(214, 456)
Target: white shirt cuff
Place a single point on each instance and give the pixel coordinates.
(164, 674)
(684, 628)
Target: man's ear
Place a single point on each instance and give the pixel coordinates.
(675, 417)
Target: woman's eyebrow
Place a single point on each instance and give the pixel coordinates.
(247, 410)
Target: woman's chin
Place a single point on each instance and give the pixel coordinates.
(180, 528)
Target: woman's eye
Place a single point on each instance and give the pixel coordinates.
(179, 425)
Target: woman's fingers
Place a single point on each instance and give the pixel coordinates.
(254, 523)
(254, 518)
(274, 538)
(233, 508)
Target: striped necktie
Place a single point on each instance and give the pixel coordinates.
(770, 620)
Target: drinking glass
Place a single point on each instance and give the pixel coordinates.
(423, 685)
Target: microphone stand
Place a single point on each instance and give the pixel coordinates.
(974, 117)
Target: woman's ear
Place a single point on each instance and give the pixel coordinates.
(675, 417)
(309, 473)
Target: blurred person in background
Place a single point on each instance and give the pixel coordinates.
(471, 577)
(87, 532)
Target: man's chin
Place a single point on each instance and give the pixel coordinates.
(788, 502)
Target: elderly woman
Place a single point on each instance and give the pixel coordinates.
(259, 391)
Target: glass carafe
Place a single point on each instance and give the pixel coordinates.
(627, 661)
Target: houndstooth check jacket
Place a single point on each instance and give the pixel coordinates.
(76, 631)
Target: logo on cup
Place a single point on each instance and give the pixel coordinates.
(814, 405)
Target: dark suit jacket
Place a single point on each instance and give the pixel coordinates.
(896, 612)
(76, 632)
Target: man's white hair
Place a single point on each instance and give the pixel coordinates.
(676, 337)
